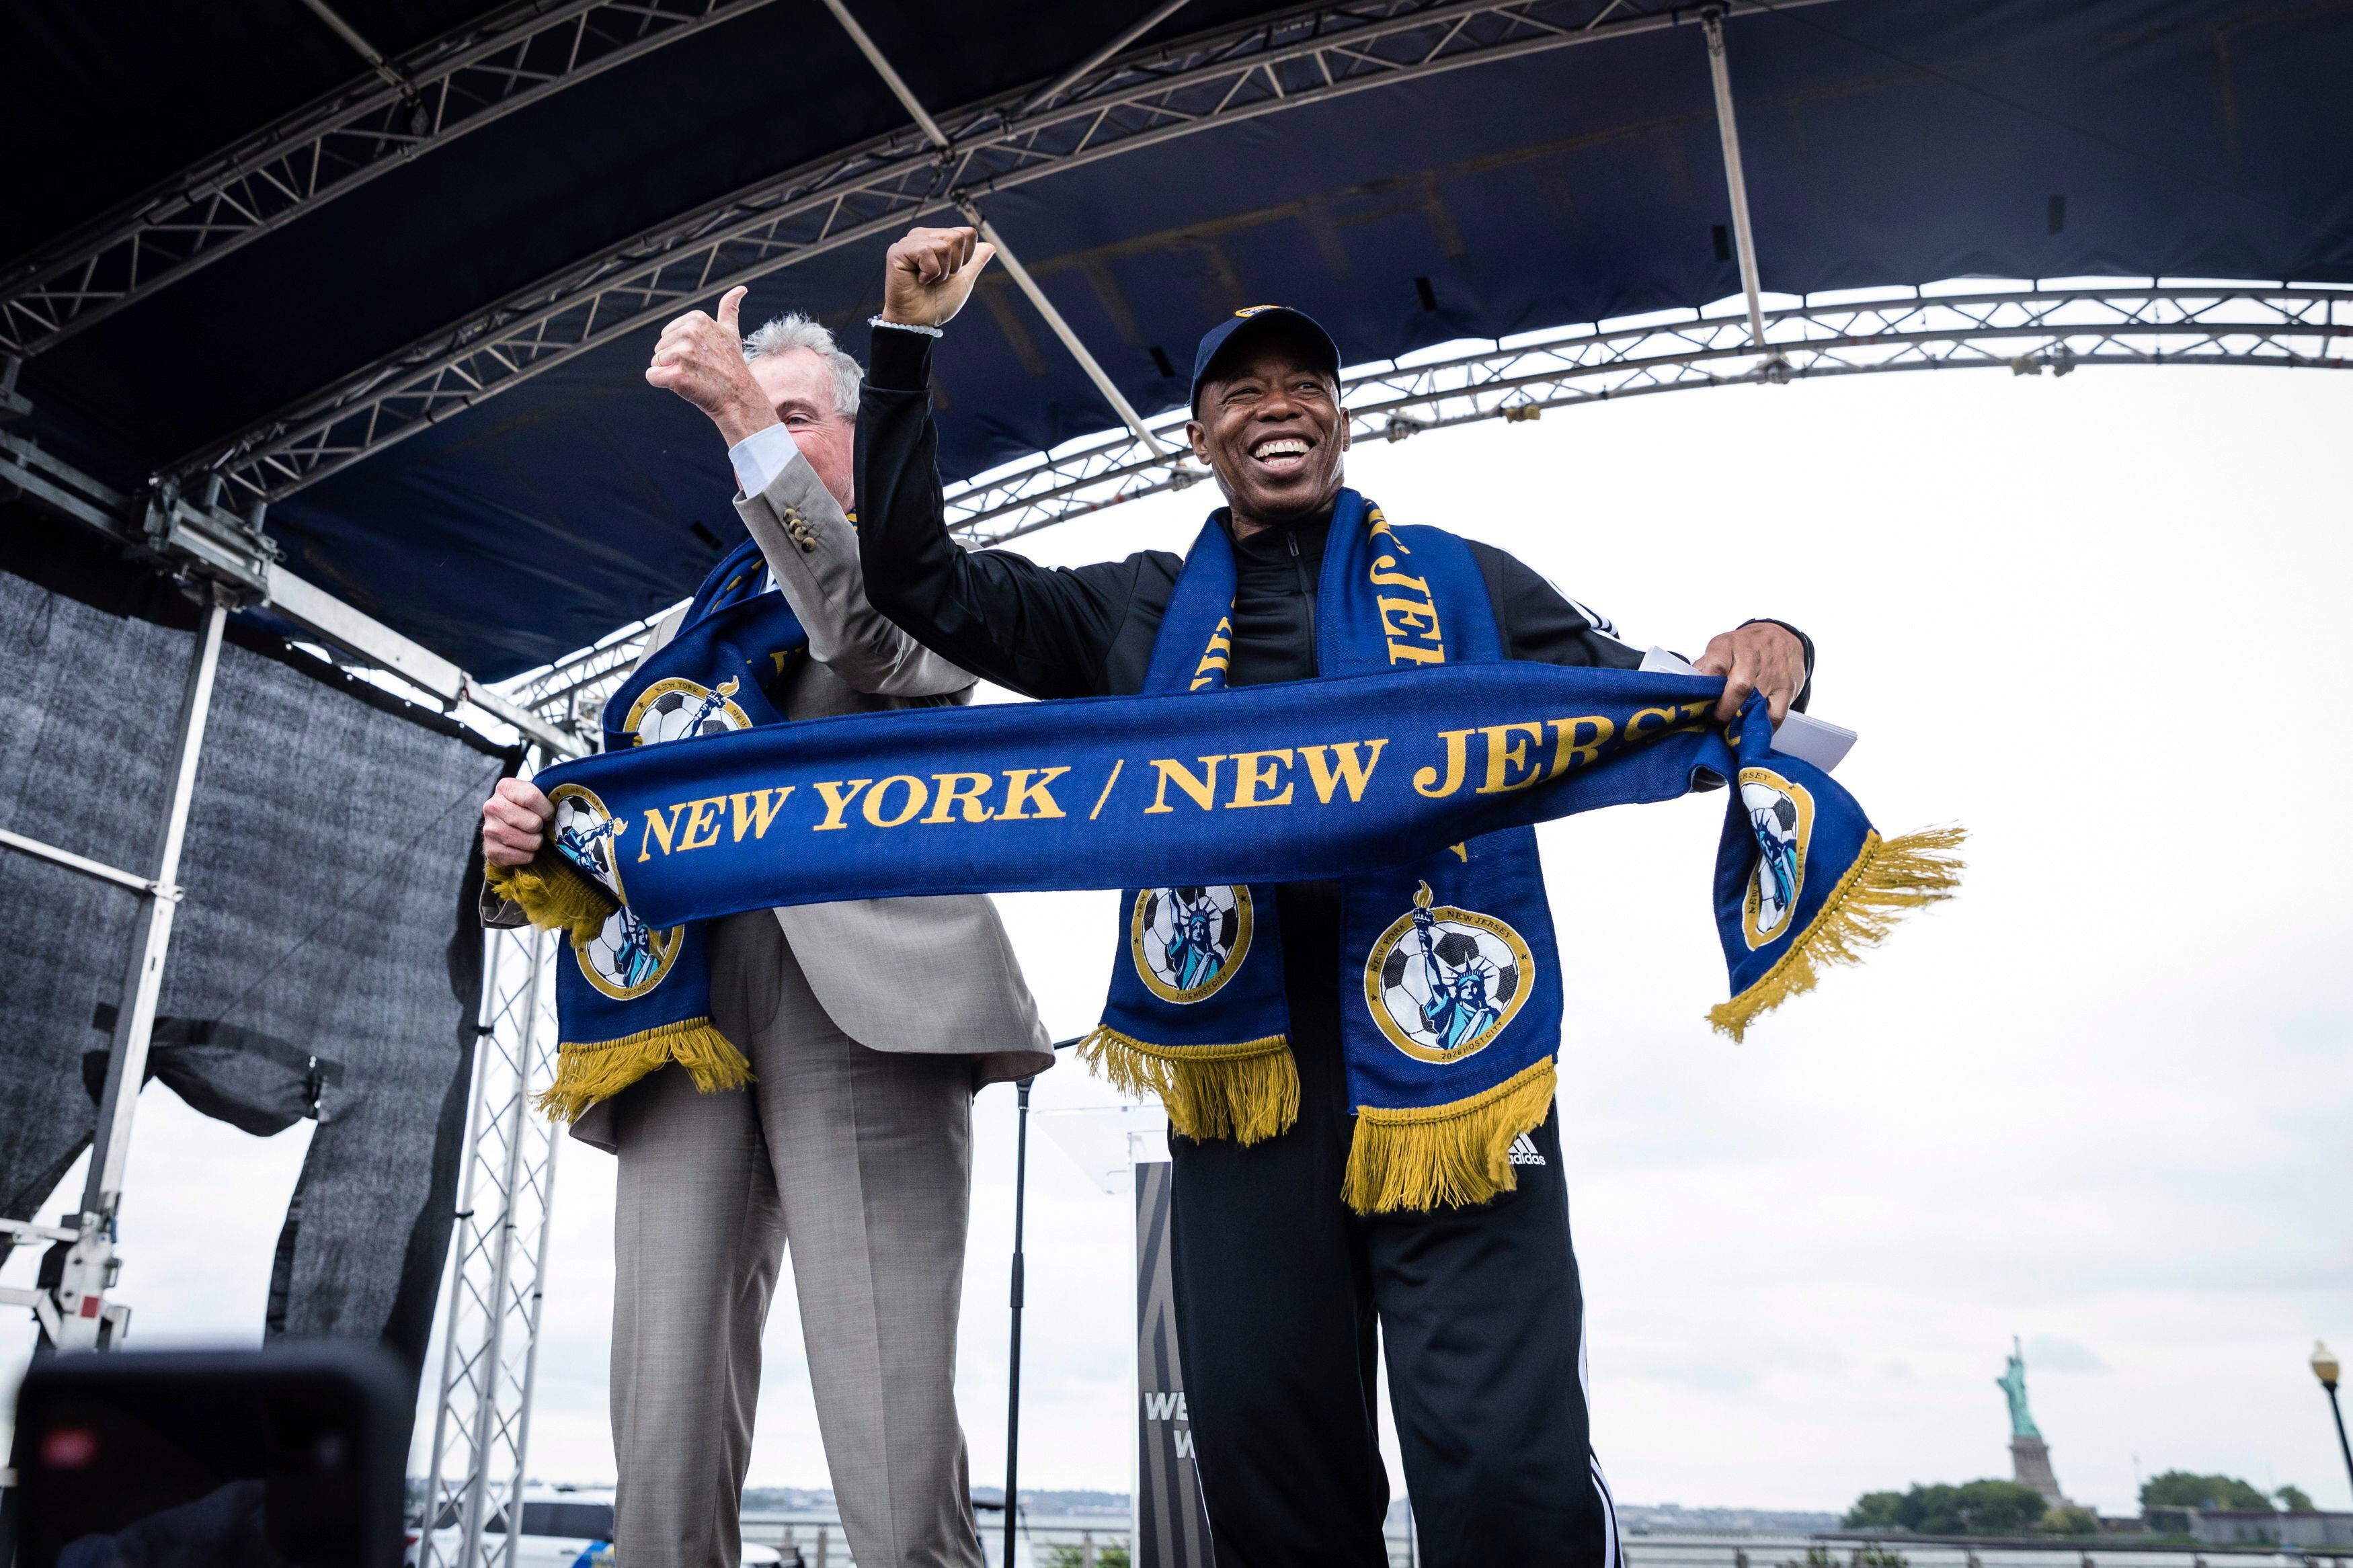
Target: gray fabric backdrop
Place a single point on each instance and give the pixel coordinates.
(327, 916)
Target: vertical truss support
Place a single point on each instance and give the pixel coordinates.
(79, 1320)
(1744, 237)
(481, 1425)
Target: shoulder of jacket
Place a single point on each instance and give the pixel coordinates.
(1502, 571)
(1152, 580)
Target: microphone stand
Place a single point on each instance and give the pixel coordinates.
(1013, 1365)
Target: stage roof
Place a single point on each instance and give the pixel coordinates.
(1565, 168)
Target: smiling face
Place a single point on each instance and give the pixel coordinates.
(1269, 424)
(800, 387)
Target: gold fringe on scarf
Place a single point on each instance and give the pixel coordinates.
(1891, 877)
(553, 894)
(556, 897)
(586, 1074)
(1245, 1092)
(1454, 1154)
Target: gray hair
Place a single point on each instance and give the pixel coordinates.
(795, 331)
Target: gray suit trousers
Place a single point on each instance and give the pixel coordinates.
(862, 1161)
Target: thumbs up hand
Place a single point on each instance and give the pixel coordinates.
(929, 274)
(701, 359)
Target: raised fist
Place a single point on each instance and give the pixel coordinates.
(701, 359)
(929, 275)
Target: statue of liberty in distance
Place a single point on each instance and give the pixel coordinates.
(2013, 1382)
(2030, 1456)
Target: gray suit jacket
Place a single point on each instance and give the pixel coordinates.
(935, 975)
(897, 974)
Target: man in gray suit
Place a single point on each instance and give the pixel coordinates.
(869, 1027)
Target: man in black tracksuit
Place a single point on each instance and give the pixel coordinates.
(1278, 1284)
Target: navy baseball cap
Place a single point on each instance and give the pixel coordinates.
(1260, 319)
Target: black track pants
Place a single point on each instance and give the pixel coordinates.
(1278, 1287)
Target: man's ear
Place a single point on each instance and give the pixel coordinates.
(1343, 429)
(1196, 436)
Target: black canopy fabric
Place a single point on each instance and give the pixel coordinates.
(1887, 141)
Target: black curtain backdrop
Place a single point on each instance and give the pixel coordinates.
(325, 961)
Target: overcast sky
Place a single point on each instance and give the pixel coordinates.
(2102, 1102)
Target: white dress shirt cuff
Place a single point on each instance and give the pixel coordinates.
(760, 456)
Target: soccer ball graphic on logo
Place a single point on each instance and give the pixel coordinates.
(1187, 942)
(628, 956)
(1442, 982)
(625, 958)
(681, 710)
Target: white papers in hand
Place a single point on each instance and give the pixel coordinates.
(1800, 735)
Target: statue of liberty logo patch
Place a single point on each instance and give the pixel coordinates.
(1443, 982)
(626, 958)
(1781, 815)
(1186, 943)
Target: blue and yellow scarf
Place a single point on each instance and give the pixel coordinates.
(634, 997)
(1412, 772)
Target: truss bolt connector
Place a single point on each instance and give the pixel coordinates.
(1776, 370)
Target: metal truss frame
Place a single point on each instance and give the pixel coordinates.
(436, 93)
(2027, 329)
(489, 1346)
(570, 693)
(1143, 99)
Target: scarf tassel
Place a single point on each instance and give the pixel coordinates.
(1889, 879)
(1423, 1157)
(553, 895)
(1247, 1092)
(585, 1074)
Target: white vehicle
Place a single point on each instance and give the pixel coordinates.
(564, 1528)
